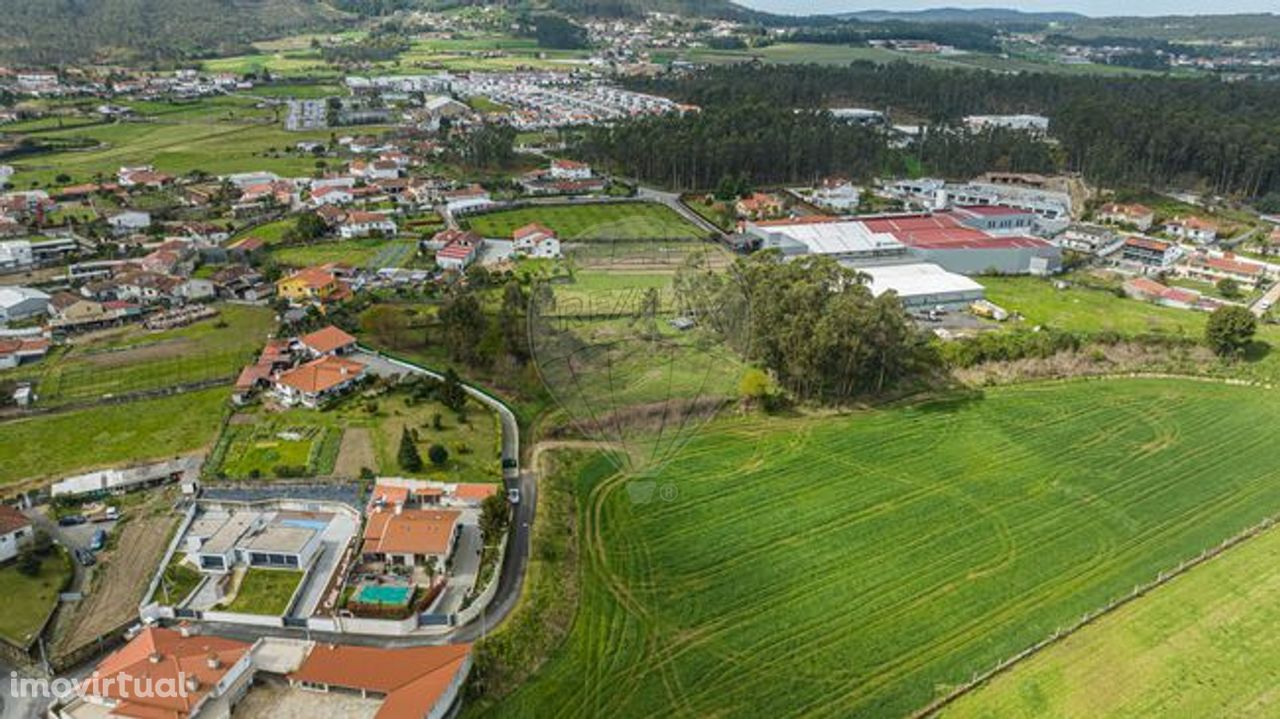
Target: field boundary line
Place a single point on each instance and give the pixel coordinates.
(1139, 590)
(124, 398)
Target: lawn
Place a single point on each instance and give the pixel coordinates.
(1086, 309)
(1203, 645)
(28, 600)
(862, 565)
(180, 579)
(605, 221)
(265, 591)
(59, 444)
(278, 444)
(133, 359)
(368, 252)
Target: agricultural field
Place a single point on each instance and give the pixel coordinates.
(277, 445)
(133, 359)
(265, 591)
(863, 565)
(612, 221)
(1085, 309)
(55, 445)
(1202, 645)
(218, 136)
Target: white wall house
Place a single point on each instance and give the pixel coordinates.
(15, 532)
(363, 224)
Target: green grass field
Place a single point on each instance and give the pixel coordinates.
(265, 591)
(862, 565)
(368, 252)
(614, 221)
(133, 359)
(1202, 645)
(28, 600)
(1087, 309)
(259, 449)
(64, 443)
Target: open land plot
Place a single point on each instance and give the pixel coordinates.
(863, 565)
(257, 442)
(618, 221)
(58, 444)
(367, 252)
(1085, 309)
(265, 591)
(133, 359)
(122, 575)
(174, 147)
(1202, 645)
(29, 600)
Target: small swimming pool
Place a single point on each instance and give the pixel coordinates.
(389, 594)
(316, 524)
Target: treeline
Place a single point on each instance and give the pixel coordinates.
(378, 48)
(768, 144)
(966, 36)
(52, 32)
(812, 323)
(1119, 131)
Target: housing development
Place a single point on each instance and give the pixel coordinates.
(394, 359)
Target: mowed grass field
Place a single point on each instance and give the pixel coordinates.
(1203, 645)
(60, 444)
(602, 221)
(863, 565)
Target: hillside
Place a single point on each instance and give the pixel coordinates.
(978, 16)
(61, 31)
(722, 9)
(1263, 28)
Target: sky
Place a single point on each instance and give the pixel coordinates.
(1095, 8)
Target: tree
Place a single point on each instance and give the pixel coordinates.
(755, 385)
(29, 562)
(438, 454)
(1228, 288)
(452, 394)
(410, 460)
(1230, 329)
(495, 514)
(512, 321)
(463, 325)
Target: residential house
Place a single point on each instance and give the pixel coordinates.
(331, 195)
(129, 221)
(457, 248)
(16, 255)
(1194, 229)
(1148, 290)
(280, 192)
(362, 224)
(15, 532)
(838, 194)
(312, 284)
(1149, 253)
(143, 176)
(1088, 239)
(535, 240)
(329, 340)
(375, 169)
(188, 676)
(20, 303)
(313, 383)
(1212, 269)
(569, 170)
(758, 205)
(16, 351)
(1139, 216)
(468, 198)
(413, 683)
(411, 537)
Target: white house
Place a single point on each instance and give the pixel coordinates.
(331, 195)
(468, 198)
(15, 532)
(16, 254)
(570, 170)
(362, 224)
(456, 248)
(20, 303)
(837, 194)
(534, 240)
(1192, 228)
(129, 221)
(312, 383)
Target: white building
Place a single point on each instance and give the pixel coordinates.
(569, 170)
(468, 198)
(129, 221)
(15, 532)
(923, 285)
(1036, 124)
(534, 240)
(20, 303)
(15, 255)
(363, 224)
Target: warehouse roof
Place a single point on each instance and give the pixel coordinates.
(917, 278)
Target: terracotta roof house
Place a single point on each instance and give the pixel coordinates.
(312, 383)
(313, 284)
(328, 341)
(1139, 216)
(414, 683)
(535, 240)
(411, 536)
(164, 674)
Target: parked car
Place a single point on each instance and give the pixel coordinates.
(99, 540)
(513, 495)
(85, 557)
(110, 514)
(71, 520)
(509, 463)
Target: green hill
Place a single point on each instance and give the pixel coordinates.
(63, 31)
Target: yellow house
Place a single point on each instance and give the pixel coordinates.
(312, 284)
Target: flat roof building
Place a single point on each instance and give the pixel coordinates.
(923, 285)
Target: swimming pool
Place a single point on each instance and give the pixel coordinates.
(389, 594)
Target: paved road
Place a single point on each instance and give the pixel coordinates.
(672, 200)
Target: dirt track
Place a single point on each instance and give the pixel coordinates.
(355, 453)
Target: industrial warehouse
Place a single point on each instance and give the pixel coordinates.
(925, 257)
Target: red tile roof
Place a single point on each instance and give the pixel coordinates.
(327, 339)
(320, 375)
(414, 680)
(11, 520)
(410, 531)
